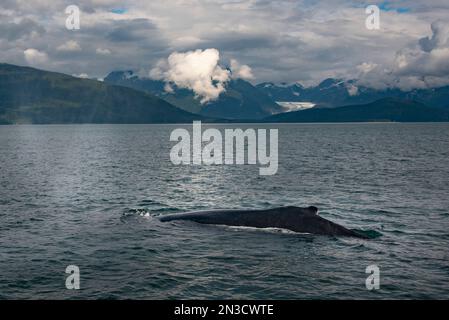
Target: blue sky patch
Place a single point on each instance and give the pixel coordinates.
(386, 6)
(119, 10)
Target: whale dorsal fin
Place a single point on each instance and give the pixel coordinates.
(313, 209)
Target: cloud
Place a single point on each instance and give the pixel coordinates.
(424, 64)
(130, 30)
(195, 70)
(430, 57)
(35, 57)
(241, 71)
(16, 30)
(305, 41)
(366, 67)
(352, 89)
(81, 75)
(69, 46)
(439, 38)
(102, 51)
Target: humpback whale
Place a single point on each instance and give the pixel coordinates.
(302, 220)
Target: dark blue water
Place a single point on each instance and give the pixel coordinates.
(87, 195)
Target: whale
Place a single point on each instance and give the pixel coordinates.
(301, 220)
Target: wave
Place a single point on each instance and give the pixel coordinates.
(371, 234)
(145, 212)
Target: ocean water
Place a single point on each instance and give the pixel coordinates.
(89, 195)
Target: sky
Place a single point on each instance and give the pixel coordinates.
(259, 40)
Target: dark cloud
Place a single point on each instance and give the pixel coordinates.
(131, 30)
(440, 37)
(235, 41)
(17, 30)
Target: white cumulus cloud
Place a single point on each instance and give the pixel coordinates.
(35, 57)
(241, 71)
(69, 46)
(196, 70)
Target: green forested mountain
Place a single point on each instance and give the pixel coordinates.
(388, 109)
(34, 96)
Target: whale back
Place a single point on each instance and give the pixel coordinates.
(302, 220)
(284, 217)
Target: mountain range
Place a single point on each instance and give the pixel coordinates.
(384, 110)
(33, 96)
(332, 93)
(241, 100)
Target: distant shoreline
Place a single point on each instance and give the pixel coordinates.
(220, 123)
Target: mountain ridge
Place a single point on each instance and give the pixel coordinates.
(29, 95)
(331, 93)
(240, 100)
(34, 96)
(387, 109)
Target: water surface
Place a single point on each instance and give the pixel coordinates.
(87, 195)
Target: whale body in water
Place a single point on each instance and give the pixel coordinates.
(303, 220)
